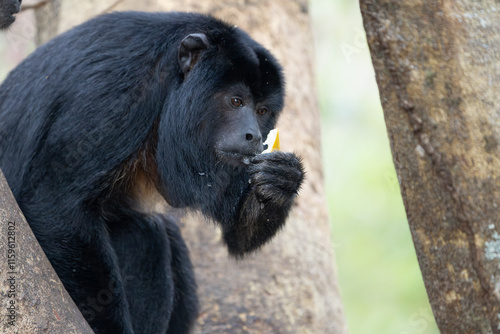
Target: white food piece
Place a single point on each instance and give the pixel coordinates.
(272, 141)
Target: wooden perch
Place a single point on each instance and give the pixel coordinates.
(33, 299)
(437, 68)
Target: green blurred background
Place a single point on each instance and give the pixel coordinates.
(381, 284)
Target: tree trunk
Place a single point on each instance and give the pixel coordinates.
(437, 68)
(32, 298)
(290, 286)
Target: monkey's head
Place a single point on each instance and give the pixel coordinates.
(230, 95)
(7, 10)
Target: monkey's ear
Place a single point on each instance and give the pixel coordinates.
(190, 50)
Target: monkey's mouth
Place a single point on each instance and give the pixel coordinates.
(235, 158)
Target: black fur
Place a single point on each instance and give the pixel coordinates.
(7, 10)
(126, 106)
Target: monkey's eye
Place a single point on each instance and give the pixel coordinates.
(237, 102)
(262, 111)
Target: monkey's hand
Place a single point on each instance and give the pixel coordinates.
(276, 177)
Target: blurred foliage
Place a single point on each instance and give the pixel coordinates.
(381, 284)
(379, 276)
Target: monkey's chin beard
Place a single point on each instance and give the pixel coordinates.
(8, 16)
(7, 21)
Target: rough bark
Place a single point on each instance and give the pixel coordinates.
(290, 286)
(32, 298)
(437, 69)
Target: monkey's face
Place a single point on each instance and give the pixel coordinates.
(245, 122)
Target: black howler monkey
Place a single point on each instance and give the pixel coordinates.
(7, 10)
(102, 125)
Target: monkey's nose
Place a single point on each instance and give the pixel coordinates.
(253, 136)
